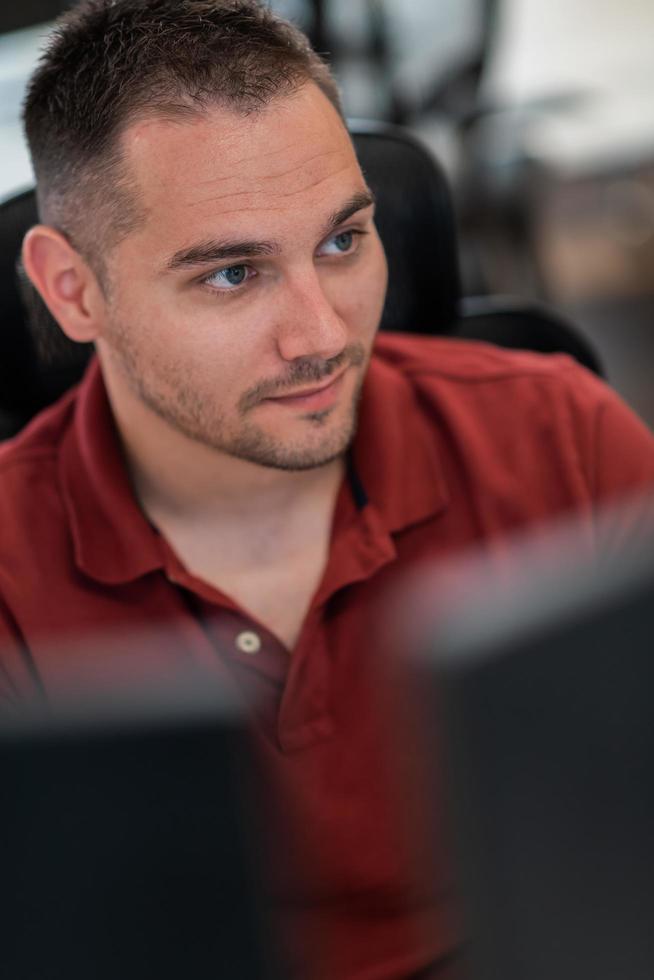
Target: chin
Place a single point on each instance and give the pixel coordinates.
(279, 455)
(323, 444)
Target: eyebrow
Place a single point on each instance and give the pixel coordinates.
(358, 201)
(212, 251)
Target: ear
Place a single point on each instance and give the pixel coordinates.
(67, 285)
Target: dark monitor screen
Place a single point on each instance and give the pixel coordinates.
(545, 701)
(126, 850)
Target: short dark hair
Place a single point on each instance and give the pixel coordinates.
(110, 62)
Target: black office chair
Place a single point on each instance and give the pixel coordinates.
(416, 224)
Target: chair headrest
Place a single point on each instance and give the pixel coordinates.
(416, 223)
(18, 380)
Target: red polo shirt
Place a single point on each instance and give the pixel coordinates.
(458, 444)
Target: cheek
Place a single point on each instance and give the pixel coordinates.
(171, 349)
(177, 340)
(382, 280)
(168, 325)
(368, 296)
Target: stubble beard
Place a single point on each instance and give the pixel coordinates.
(188, 412)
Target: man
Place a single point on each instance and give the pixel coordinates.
(240, 463)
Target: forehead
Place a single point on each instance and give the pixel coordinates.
(293, 158)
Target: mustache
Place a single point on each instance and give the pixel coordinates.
(302, 371)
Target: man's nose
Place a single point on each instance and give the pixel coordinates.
(308, 324)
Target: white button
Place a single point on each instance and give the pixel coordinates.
(248, 642)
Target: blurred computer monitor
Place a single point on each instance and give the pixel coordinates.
(126, 845)
(544, 695)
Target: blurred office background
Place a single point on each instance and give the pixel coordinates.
(542, 115)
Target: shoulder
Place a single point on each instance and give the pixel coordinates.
(468, 362)
(30, 493)
(40, 439)
(523, 407)
(489, 378)
(27, 460)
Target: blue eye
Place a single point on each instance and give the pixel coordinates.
(341, 244)
(234, 275)
(343, 241)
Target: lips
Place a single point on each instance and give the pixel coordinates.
(318, 397)
(312, 391)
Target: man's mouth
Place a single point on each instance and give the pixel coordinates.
(313, 398)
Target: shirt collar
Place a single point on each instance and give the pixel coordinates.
(395, 460)
(112, 539)
(395, 451)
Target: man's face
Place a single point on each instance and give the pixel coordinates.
(244, 308)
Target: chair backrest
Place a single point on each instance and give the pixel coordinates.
(28, 382)
(415, 219)
(416, 222)
(17, 356)
(520, 324)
